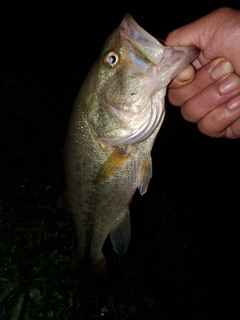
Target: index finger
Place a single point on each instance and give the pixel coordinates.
(215, 34)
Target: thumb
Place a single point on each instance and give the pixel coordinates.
(183, 78)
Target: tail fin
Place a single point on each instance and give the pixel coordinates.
(95, 271)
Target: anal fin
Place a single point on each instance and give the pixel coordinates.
(120, 236)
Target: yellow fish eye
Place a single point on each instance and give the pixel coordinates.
(110, 58)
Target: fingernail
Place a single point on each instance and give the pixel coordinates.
(222, 68)
(234, 103)
(229, 84)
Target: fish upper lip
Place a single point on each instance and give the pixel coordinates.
(111, 105)
(155, 50)
(113, 110)
(114, 106)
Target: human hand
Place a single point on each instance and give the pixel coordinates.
(208, 91)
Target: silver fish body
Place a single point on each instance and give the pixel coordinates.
(115, 119)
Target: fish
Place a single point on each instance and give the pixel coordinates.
(115, 119)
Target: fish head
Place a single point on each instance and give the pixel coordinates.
(130, 80)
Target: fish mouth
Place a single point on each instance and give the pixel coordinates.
(148, 48)
(170, 61)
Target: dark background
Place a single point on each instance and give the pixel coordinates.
(183, 260)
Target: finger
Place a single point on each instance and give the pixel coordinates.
(215, 34)
(178, 93)
(202, 31)
(183, 78)
(223, 121)
(211, 97)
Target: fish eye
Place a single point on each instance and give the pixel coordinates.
(110, 58)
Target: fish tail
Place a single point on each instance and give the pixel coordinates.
(95, 270)
(98, 271)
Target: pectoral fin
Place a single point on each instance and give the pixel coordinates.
(120, 236)
(146, 175)
(113, 163)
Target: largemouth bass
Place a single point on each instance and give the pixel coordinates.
(115, 119)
